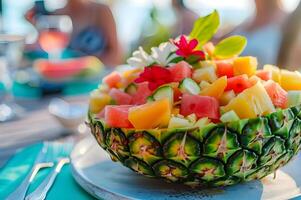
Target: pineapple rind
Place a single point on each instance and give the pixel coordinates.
(230, 152)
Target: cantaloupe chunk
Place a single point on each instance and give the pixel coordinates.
(216, 89)
(151, 115)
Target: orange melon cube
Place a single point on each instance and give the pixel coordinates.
(151, 115)
(216, 89)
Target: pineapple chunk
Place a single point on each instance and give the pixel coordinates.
(275, 72)
(204, 84)
(205, 74)
(290, 80)
(251, 103)
(216, 89)
(245, 65)
(98, 101)
(226, 97)
(151, 115)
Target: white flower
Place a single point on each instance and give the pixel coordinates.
(140, 58)
(164, 54)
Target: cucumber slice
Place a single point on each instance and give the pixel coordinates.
(161, 93)
(293, 98)
(131, 89)
(188, 85)
(229, 117)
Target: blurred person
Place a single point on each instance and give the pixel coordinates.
(290, 48)
(94, 30)
(264, 31)
(184, 18)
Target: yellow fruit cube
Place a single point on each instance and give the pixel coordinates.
(290, 80)
(216, 89)
(275, 72)
(245, 65)
(226, 97)
(151, 115)
(205, 74)
(251, 103)
(98, 101)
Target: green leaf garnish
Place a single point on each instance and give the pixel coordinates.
(230, 47)
(204, 28)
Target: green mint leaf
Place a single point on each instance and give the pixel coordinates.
(204, 28)
(230, 47)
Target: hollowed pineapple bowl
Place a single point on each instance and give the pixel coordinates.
(196, 113)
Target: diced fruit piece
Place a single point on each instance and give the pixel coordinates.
(224, 68)
(202, 106)
(205, 74)
(131, 89)
(189, 86)
(245, 65)
(209, 48)
(180, 71)
(207, 63)
(121, 98)
(175, 111)
(164, 92)
(112, 80)
(151, 115)
(142, 93)
(98, 101)
(204, 84)
(238, 83)
(216, 89)
(117, 116)
(226, 97)
(251, 103)
(131, 74)
(294, 98)
(253, 80)
(275, 72)
(202, 122)
(290, 80)
(229, 117)
(177, 122)
(276, 93)
(264, 75)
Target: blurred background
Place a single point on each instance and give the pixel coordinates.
(62, 48)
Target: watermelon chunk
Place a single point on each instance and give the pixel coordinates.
(278, 95)
(180, 71)
(201, 106)
(264, 75)
(238, 83)
(120, 97)
(117, 116)
(113, 79)
(142, 93)
(224, 68)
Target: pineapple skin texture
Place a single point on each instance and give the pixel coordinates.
(213, 155)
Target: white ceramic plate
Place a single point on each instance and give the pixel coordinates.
(97, 174)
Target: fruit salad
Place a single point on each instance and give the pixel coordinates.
(199, 113)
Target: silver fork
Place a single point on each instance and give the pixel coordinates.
(43, 160)
(41, 191)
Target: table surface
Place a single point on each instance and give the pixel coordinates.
(36, 125)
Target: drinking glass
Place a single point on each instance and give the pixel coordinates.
(54, 34)
(11, 51)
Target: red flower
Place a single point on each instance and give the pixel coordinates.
(155, 76)
(186, 48)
